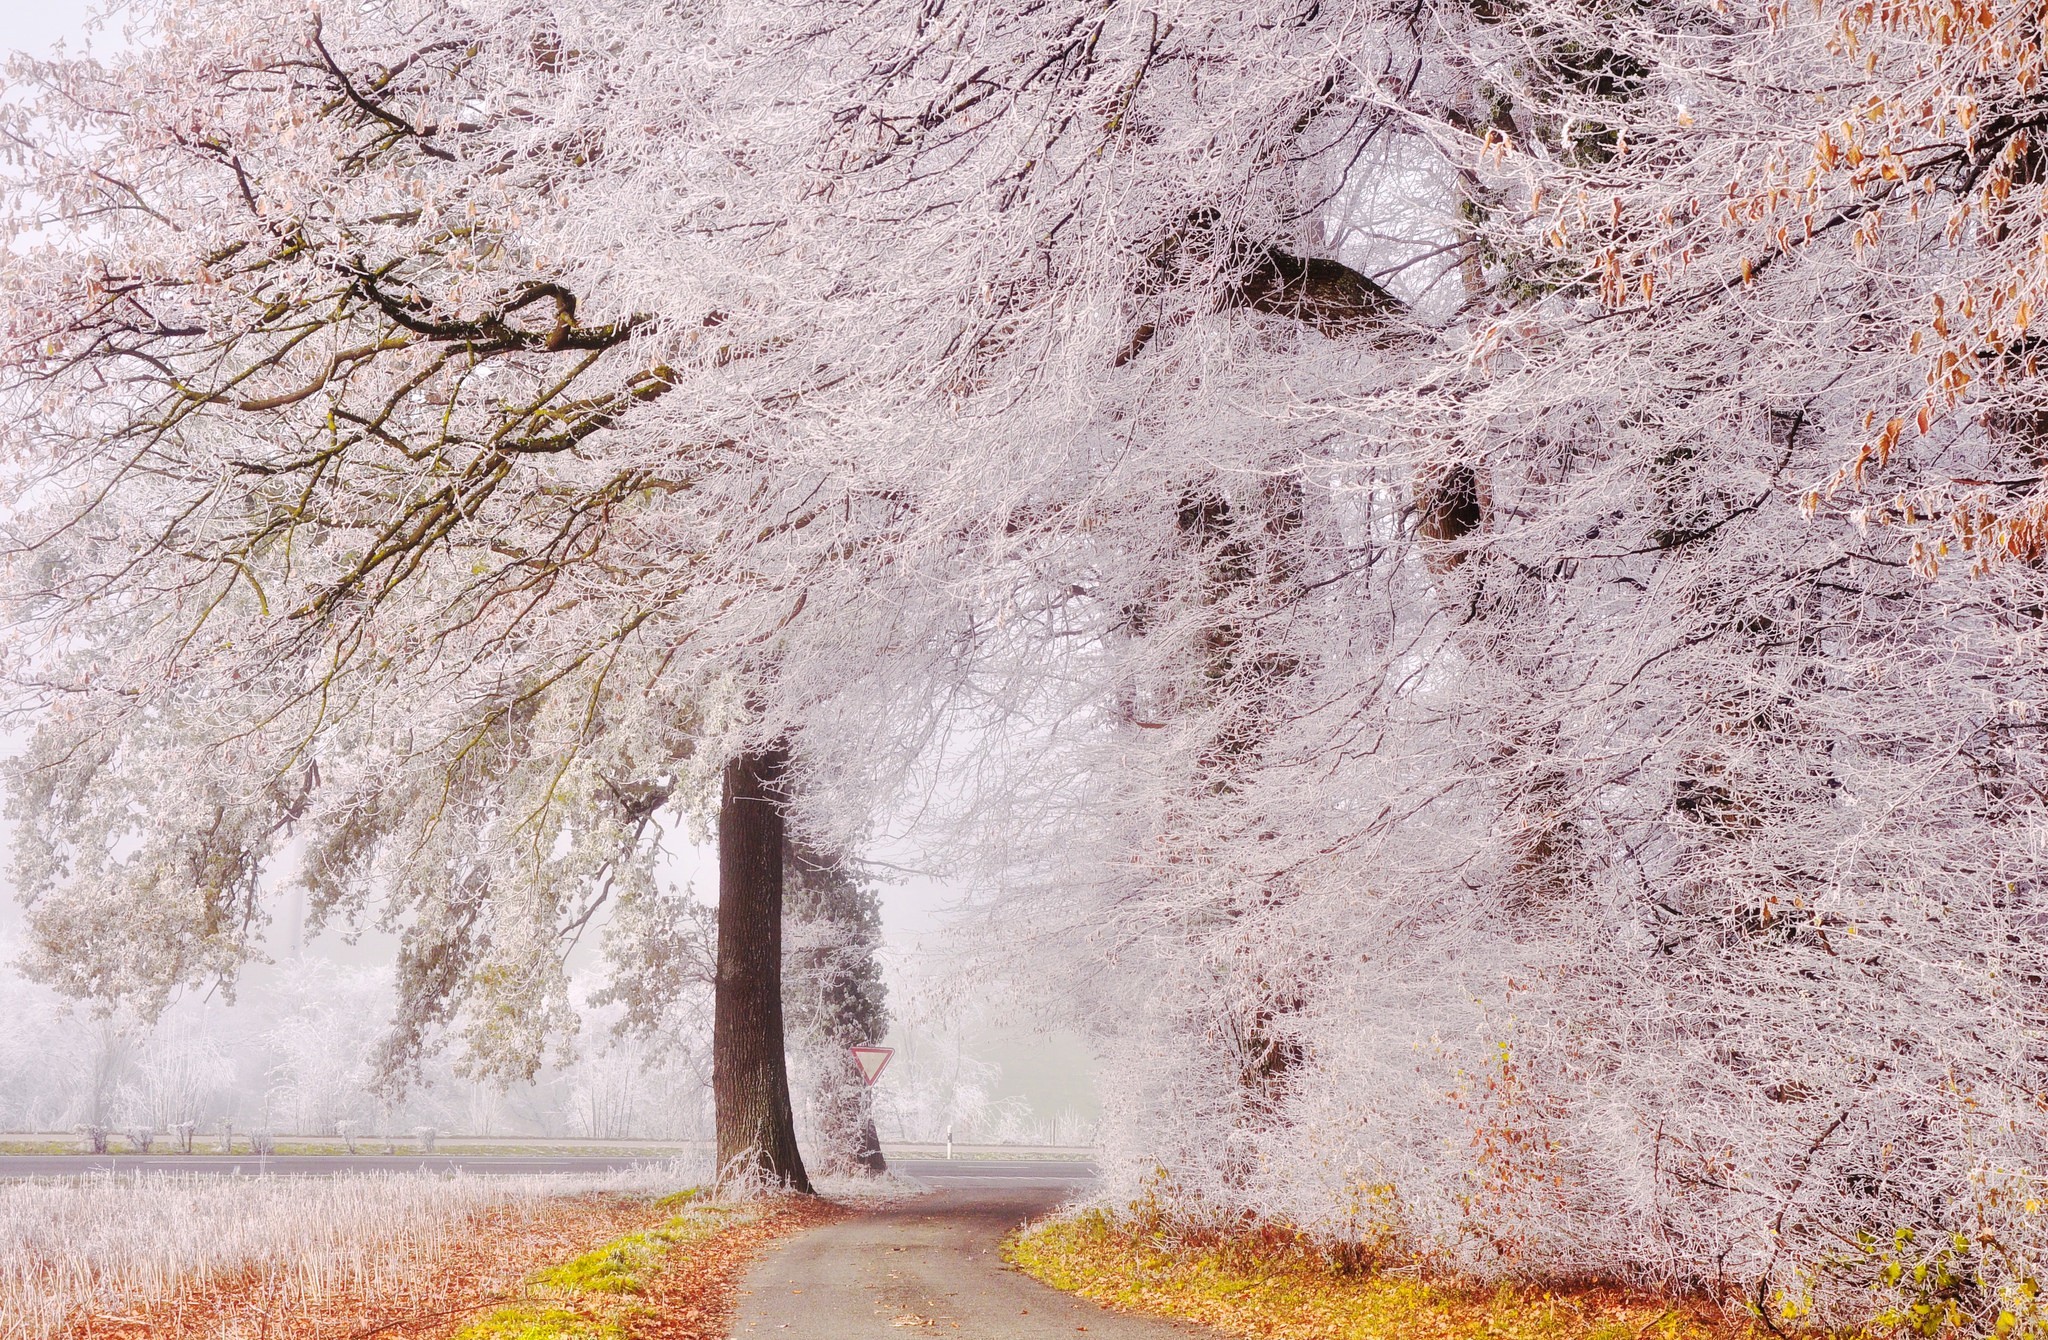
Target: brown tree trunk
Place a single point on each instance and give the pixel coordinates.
(749, 1078)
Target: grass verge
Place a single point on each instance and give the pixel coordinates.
(1294, 1295)
(600, 1294)
(676, 1280)
(390, 1256)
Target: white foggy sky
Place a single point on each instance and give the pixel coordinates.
(33, 25)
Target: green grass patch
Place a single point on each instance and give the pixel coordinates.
(592, 1296)
(526, 1322)
(616, 1267)
(1250, 1288)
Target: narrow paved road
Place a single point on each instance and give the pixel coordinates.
(1044, 1174)
(926, 1266)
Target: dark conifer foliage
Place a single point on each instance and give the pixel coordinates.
(833, 996)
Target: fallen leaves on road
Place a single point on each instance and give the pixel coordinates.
(693, 1296)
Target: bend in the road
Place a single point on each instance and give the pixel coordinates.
(929, 1264)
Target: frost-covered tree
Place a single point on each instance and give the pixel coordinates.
(834, 999)
(426, 558)
(1465, 577)
(1542, 813)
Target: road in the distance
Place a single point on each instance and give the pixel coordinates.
(1050, 1174)
(1046, 1173)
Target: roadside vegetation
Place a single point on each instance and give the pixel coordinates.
(170, 1255)
(1272, 1283)
(598, 1292)
(677, 1278)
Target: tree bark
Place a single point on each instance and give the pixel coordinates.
(749, 1077)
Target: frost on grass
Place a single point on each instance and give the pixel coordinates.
(112, 1246)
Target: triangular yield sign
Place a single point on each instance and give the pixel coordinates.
(872, 1060)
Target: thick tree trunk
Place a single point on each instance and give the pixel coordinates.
(749, 1078)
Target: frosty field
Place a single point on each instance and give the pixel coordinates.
(82, 1254)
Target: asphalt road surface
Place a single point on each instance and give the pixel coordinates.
(930, 1265)
(1044, 1174)
(1015, 1173)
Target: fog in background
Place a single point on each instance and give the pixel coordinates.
(35, 26)
(291, 1054)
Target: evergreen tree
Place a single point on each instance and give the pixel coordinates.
(833, 997)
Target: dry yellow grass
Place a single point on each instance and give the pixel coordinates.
(1292, 1295)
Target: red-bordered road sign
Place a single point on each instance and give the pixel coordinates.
(872, 1061)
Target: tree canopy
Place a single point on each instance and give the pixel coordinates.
(1463, 579)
